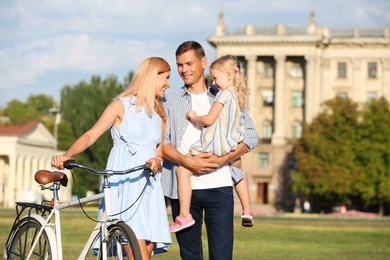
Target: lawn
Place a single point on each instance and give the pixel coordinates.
(277, 237)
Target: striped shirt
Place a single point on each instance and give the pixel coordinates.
(177, 104)
(226, 132)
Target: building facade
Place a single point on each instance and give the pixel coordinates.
(25, 149)
(290, 72)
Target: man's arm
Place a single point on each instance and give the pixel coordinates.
(197, 164)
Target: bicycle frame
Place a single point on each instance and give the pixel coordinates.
(102, 225)
(57, 225)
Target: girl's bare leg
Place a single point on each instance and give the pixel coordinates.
(242, 190)
(184, 191)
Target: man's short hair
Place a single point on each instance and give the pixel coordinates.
(191, 45)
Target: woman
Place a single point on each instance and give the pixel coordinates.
(137, 120)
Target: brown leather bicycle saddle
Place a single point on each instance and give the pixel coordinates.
(44, 177)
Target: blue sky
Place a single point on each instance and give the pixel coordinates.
(45, 45)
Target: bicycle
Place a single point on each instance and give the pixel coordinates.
(35, 236)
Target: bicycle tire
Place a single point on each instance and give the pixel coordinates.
(22, 239)
(119, 236)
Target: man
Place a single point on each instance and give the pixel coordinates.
(212, 189)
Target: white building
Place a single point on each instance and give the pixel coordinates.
(25, 149)
(290, 72)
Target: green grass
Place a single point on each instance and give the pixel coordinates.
(284, 237)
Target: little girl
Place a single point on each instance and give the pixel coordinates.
(222, 134)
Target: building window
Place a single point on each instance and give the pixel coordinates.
(297, 99)
(296, 71)
(372, 70)
(263, 160)
(266, 130)
(296, 129)
(371, 95)
(342, 70)
(342, 94)
(268, 98)
(268, 70)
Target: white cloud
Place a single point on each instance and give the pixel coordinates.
(46, 44)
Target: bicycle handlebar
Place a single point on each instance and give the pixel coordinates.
(70, 164)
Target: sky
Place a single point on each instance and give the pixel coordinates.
(46, 45)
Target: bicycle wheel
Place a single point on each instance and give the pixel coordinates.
(23, 237)
(122, 243)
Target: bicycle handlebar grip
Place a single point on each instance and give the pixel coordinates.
(69, 164)
(147, 167)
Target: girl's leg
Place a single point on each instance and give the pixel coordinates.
(243, 193)
(242, 190)
(184, 189)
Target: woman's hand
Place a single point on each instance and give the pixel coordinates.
(58, 161)
(155, 163)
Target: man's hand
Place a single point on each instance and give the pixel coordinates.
(201, 164)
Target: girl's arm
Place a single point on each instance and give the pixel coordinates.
(208, 119)
(113, 114)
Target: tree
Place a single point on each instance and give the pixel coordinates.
(81, 106)
(36, 108)
(373, 153)
(325, 154)
(344, 155)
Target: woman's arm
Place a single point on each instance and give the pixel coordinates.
(113, 114)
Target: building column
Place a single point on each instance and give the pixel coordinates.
(2, 180)
(33, 167)
(21, 179)
(309, 97)
(278, 137)
(385, 77)
(358, 89)
(10, 190)
(325, 80)
(251, 83)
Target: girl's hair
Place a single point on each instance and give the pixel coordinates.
(231, 64)
(143, 85)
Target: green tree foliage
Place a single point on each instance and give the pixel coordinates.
(325, 152)
(81, 106)
(344, 153)
(35, 108)
(373, 153)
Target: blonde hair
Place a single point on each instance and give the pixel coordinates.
(231, 64)
(143, 85)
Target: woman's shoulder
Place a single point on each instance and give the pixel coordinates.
(126, 100)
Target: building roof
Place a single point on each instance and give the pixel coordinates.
(17, 130)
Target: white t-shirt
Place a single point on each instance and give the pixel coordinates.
(218, 178)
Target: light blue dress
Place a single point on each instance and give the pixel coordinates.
(135, 141)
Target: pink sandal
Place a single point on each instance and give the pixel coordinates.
(247, 218)
(183, 223)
